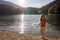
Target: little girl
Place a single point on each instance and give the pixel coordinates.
(42, 25)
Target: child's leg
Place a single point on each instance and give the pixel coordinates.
(42, 29)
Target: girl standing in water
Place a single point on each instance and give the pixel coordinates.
(42, 25)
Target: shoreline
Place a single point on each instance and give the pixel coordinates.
(10, 35)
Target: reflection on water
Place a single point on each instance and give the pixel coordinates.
(22, 23)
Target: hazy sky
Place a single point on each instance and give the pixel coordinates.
(31, 3)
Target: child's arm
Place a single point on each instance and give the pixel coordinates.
(46, 24)
(39, 24)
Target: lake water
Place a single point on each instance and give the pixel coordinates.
(29, 24)
(25, 24)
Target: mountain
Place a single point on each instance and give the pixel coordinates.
(8, 8)
(31, 11)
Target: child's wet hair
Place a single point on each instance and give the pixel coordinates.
(42, 15)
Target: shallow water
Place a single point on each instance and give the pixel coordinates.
(30, 23)
(27, 24)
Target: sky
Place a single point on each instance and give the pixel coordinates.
(31, 3)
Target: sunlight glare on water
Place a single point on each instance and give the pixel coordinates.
(22, 24)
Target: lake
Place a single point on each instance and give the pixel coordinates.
(29, 24)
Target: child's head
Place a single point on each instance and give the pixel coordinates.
(42, 17)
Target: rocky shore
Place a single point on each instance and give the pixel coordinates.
(10, 35)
